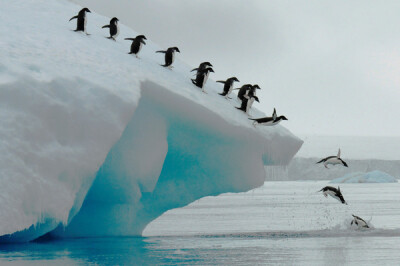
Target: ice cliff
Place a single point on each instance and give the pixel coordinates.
(95, 142)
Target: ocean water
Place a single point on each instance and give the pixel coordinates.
(285, 223)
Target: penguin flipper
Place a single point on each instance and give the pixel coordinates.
(129, 39)
(194, 69)
(73, 18)
(105, 26)
(221, 81)
(161, 52)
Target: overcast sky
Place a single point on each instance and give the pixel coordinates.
(331, 67)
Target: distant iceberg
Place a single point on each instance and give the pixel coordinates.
(370, 177)
(95, 142)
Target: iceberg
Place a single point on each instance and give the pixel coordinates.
(370, 177)
(96, 142)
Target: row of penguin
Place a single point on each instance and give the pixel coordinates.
(247, 95)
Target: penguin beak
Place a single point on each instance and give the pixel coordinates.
(88, 11)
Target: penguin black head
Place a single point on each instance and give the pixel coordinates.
(207, 64)
(282, 117)
(141, 38)
(114, 20)
(235, 79)
(256, 87)
(175, 49)
(344, 163)
(85, 10)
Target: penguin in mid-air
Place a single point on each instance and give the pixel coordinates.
(137, 44)
(81, 20)
(114, 28)
(202, 67)
(359, 222)
(333, 160)
(228, 86)
(269, 121)
(248, 99)
(202, 77)
(334, 193)
(169, 56)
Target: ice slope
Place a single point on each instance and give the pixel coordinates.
(370, 177)
(97, 142)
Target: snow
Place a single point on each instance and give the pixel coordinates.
(370, 177)
(97, 142)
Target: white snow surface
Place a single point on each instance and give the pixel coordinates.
(71, 104)
(370, 177)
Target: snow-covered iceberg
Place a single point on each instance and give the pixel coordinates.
(370, 177)
(96, 142)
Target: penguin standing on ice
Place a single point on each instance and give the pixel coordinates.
(81, 20)
(269, 121)
(114, 28)
(137, 44)
(359, 222)
(334, 193)
(202, 77)
(333, 160)
(169, 56)
(228, 86)
(248, 98)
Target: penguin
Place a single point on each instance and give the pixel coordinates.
(253, 97)
(202, 77)
(248, 98)
(359, 222)
(269, 121)
(242, 91)
(202, 67)
(334, 193)
(228, 86)
(169, 56)
(333, 160)
(137, 44)
(81, 20)
(114, 28)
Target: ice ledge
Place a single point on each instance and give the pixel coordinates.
(173, 152)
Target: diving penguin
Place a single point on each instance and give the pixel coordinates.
(269, 121)
(228, 86)
(333, 160)
(169, 56)
(137, 44)
(334, 193)
(81, 20)
(359, 222)
(114, 28)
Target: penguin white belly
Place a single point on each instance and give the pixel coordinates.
(229, 90)
(84, 23)
(173, 57)
(332, 194)
(333, 161)
(116, 34)
(360, 223)
(140, 47)
(249, 104)
(205, 79)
